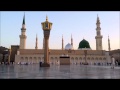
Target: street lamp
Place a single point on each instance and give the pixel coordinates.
(46, 26)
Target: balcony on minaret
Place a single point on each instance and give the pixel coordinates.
(46, 25)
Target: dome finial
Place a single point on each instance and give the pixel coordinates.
(97, 17)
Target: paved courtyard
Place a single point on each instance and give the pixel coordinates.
(58, 72)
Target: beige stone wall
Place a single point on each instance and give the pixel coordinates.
(61, 52)
(76, 56)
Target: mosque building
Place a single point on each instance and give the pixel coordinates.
(82, 54)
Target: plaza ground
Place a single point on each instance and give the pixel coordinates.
(58, 72)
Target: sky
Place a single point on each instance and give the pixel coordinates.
(81, 24)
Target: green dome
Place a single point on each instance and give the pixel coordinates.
(84, 44)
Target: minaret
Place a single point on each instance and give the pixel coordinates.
(98, 36)
(23, 35)
(71, 40)
(109, 44)
(36, 44)
(43, 42)
(62, 43)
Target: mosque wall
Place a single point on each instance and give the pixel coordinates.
(76, 56)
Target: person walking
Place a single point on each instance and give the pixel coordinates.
(113, 62)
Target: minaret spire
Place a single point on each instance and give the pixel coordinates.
(98, 20)
(23, 24)
(24, 19)
(71, 40)
(23, 35)
(36, 44)
(98, 37)
(109, 44)
(62, 43)
(46, 18)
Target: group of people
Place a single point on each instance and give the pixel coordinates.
(7, 63)
(113, 63)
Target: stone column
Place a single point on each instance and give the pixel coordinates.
(46, 49)
(46, 26)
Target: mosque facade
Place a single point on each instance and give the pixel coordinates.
(82, 54)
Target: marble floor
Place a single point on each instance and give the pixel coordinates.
(58, 72)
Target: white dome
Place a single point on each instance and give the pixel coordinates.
(68, 46)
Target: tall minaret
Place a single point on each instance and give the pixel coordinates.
(98, 36)
(23, 35)
(71, 40)
(62, 43)
(109, 44)
(43, 43)
(36, 44)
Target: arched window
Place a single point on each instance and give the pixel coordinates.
(104, 58)
(30, 58)
(96, 58)
(80, 58)
(88, 58)
(22, 58)
(92, 58)
(35, 58)
(51, 58)
(76, 58)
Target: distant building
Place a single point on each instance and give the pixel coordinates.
(14, 49)
(84, 51)
(3, 54)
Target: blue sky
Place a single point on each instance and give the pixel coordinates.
(78, 23)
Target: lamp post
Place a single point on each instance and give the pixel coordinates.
(46, 26)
